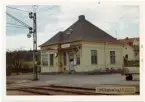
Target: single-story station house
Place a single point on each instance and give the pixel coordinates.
(89, 46)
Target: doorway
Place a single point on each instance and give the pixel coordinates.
(64, 61)
(70, 57)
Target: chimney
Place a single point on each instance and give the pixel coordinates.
(81, 17)
(126, 38)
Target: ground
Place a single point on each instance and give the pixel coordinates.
(78, 79)
(18, 93)
(90, 81)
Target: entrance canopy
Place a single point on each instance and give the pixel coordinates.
(71, 48)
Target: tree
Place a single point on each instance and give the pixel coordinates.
(14, 61)
(8, 63)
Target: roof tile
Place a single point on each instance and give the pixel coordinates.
(81, 30)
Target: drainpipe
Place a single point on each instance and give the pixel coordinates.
(59, 57)
(123, 55)
(105, 54)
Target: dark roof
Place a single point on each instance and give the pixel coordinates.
(81, 30)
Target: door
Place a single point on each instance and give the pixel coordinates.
(71, 57)
(64, 61)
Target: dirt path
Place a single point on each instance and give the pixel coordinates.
(18, 93)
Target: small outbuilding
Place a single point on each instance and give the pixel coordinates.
(131, 48)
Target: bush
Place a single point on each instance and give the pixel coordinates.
(132, 63)
(8, 70)
(26, 70)
(105, 71)
(93, 72)
(119, 70)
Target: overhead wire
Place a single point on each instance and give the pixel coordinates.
(47, 15)
(37, 12)
(15, 24)
(48, 9)
(18, 20)
(24, 24)
(16, 27)
(17, 9)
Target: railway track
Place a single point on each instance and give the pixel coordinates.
(58, 90)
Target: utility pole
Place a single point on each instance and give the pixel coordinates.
(33, 16)
(35, 44)
(32, 30)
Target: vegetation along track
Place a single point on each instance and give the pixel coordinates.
(58, 90)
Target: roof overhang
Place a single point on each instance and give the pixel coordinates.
(71, 48)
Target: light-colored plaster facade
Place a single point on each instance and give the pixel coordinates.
(103, 56)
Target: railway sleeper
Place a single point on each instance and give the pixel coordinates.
(70, 91)
(75, 91)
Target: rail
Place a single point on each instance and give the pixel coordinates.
(60, 90)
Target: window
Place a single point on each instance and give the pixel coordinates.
(112, 57)
(71, 55)
(51, 59)
(78, 57)
(93, 56)
(45, 60)
(126, 56)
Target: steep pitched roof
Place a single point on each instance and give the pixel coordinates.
(81, 30)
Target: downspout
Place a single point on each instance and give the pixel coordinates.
(105, 54)
(59, 58)
(40, 60)
(123, 55)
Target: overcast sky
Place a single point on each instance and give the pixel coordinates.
(118, 21)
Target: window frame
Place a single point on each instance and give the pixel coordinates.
(112, 57)
(78, 57)
(51, 64)
(94, 58)
(44, 57)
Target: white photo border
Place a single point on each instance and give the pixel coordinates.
(71, 98)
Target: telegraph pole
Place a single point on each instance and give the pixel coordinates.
(32, 30)
(35, 44)
(33, 16)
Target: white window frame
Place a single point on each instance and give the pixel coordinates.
(78, 56)
(44, 57)
(50, 59)
(112, 55)
(93, 55)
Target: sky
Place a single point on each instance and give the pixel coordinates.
(120, 21)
